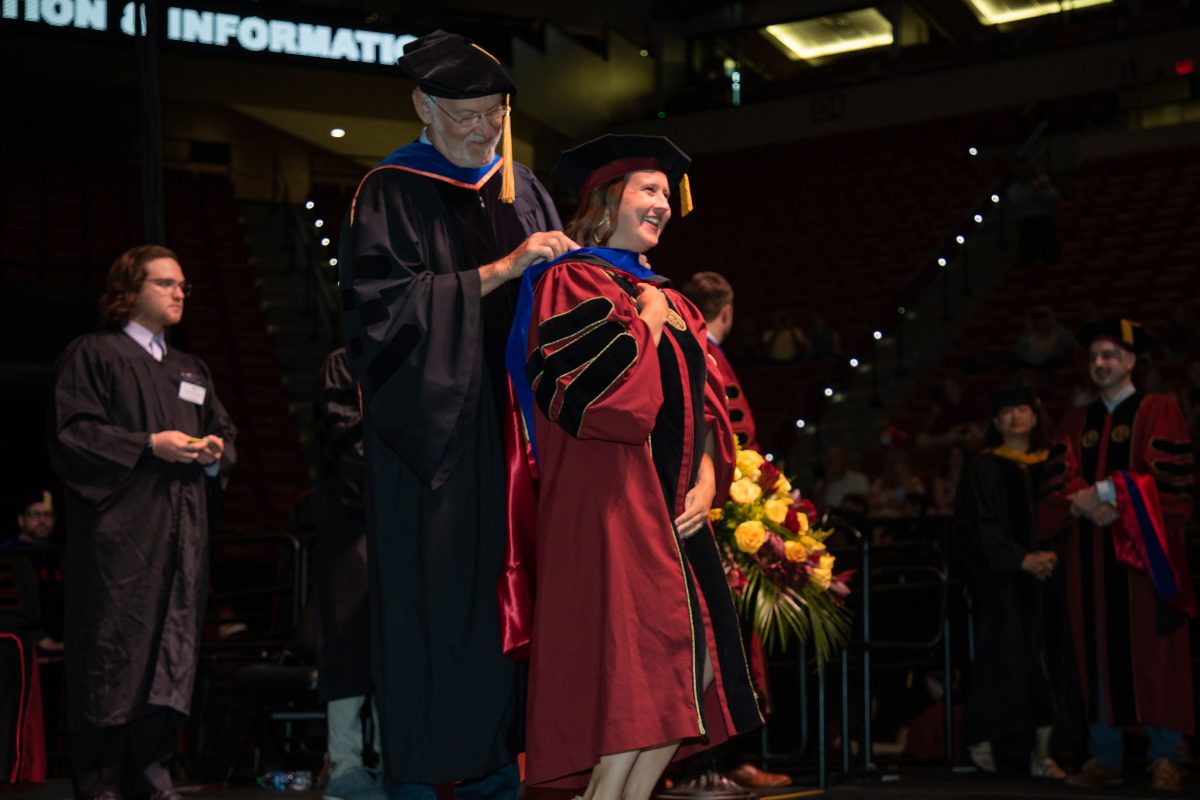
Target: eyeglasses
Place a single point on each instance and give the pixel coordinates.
(473, 118)
(36, 514)
(168, 285)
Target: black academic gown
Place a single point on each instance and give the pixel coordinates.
(428, 352)
(340, 552)
(1010, 690)
(137, 526)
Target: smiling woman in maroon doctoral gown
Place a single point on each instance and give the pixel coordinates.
(636, 652)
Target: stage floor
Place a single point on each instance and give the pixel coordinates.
(940, 785)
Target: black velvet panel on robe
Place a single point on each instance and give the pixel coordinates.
(137, 526)
(1010, 691)
(428, 352)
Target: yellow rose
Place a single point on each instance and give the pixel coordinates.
(823, 574)
(748, 462)
(750, 536)
(775, 510)
(782, 486)
(803, 520)
(715, 514)
(794, 551)
(745, 491)
(812, 544)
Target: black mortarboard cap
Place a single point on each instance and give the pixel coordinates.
(448, 65)
(595, 163)
(1123, 332)
(1014, 396)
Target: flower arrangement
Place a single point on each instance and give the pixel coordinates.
(778, 567)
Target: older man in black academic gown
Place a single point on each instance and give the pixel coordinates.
(434, 239)
(140, 440)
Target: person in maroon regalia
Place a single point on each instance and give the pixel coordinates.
(636, 646)
(713, 297)
(1119, 492)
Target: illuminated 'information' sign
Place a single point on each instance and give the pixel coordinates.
(219, 29)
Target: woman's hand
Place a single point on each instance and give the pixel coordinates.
(698, 500)
(652, 308)
(1040, 564)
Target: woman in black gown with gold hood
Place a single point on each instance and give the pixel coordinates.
(1010, 704)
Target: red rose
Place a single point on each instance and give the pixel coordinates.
(791, 521)
(806, 508)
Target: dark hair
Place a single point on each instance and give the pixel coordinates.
(125, 279)
(596, 218)
(1039, 437)
(709, 292)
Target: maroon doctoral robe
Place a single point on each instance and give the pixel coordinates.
(1138, 636)
(624, 610)
(740, 415)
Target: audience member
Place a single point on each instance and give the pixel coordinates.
(838, 481)
(953, 417)
(785, 341)
(1033, 200)
(824, 342)
(35, 527)
(141, 441)
(945, 483)
(890, 491)
(1046, 343)
(35, 522)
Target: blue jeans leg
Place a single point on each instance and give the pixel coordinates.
(1106, 744)
(503, 784)
(1164, 743)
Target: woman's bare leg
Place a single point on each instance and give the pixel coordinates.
(610, 776)
(651, 762)
(647, 770)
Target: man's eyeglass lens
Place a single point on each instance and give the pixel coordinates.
(166, 284)
(493, 115)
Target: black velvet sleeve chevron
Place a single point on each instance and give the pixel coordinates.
(597, 353)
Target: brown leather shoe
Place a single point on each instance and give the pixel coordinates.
(752, 777)
(1095, 775)
(1165, 775)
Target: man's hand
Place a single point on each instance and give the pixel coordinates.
(1040, 564)
(214, 448)
(544, 246)
(177, 446)
(1104, 515)
(698, 500)
(1084, 502)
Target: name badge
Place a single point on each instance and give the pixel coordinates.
(192, 393)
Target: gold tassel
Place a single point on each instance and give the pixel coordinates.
(685, 196)
(508, 181)
(1127, 332)
(48, 500)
